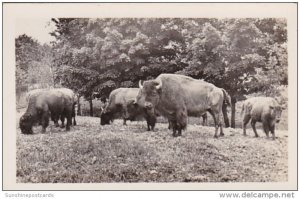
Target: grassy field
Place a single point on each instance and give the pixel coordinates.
(117, 153)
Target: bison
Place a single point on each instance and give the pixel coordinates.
(177, 97)
(46, 103)
(54, 116)
(120, 101)
(261, 109)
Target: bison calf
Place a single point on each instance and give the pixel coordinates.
(261, 109)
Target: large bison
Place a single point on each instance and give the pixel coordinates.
(120, 101)
(261, 109)
(45, 103)
(56, 116)
(177, 97)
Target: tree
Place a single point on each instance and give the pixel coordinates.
(27, 51)
(33, 62)
(243, 56)
(235, 54)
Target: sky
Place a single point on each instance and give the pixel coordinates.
(37, 28)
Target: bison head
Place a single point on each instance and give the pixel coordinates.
(26, 123)
(105, 118)
(149, 95)
(276, 113)
(132, 110)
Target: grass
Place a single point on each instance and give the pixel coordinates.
(91, 153)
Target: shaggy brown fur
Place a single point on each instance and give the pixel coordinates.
(44, 103)
(121, 101)
(261, 109)
(177, 97)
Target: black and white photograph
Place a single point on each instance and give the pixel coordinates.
(135, 100)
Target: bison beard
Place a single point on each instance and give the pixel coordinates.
(105, 118)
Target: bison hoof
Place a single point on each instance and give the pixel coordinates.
(222, 134)
(216, 136)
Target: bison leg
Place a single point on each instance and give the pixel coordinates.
(272, 128)
(174, 132)
(150, 127)
(74, 121)
(62, 119)
(74, 115)
(253, 122)
(174, 127)
(245, 122)
(150, 122)
(215, 121)
(153, 122)
(45, 121)
(219, 124)
(221, 128)
(181, 120)
(266, 128)
(69, 120)
(204, 117)
(179, 131)
(124, 122)
(54, 118)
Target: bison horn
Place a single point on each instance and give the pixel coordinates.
(134, 101)
(140, 84)
(159, 84)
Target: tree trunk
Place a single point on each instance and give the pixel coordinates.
(53, 77)
(225, 115)
(78, 106)
(233, 102)
(91, 106)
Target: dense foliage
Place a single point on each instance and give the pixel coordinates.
(95, 56)
(33, 63)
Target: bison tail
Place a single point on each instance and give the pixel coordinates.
(227, 99)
